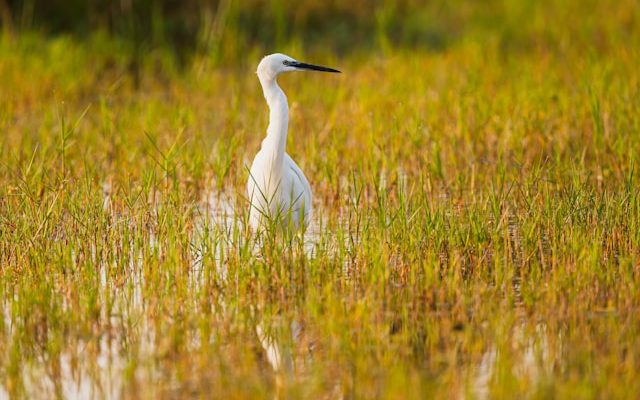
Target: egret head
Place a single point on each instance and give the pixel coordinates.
(274, 64)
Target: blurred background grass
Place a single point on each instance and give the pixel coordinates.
(226, 30)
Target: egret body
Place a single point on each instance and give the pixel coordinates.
(277, 188)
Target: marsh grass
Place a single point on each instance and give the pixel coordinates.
(476, 231)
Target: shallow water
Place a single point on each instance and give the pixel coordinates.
(124, 349)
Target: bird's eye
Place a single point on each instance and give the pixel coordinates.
(287, 62)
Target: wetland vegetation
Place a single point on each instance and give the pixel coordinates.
(476, 228)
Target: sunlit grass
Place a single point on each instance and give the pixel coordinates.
(477, 226)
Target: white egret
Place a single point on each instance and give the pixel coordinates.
(277, 188)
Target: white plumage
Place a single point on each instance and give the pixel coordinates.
(277, 188)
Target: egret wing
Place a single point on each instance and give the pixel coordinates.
(301, 188)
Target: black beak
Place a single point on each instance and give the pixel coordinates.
(311, 67)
